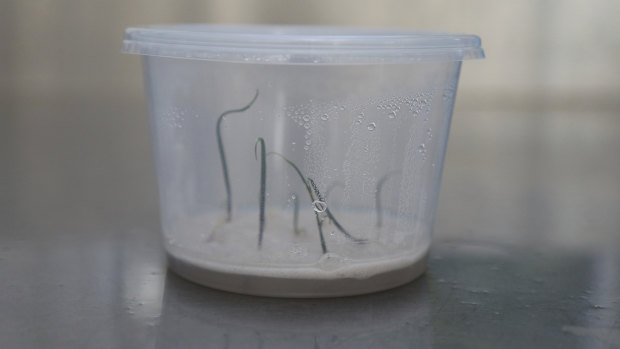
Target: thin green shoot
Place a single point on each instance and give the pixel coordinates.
(261, 193)
(296, 214)
(220, 145)
(378, 205)
(331, 216)
(319, 222)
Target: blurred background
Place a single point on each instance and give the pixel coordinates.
(542, 109)
(527, 238)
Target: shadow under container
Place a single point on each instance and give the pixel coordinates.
(299, 161)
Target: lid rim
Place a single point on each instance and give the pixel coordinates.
(280, 44)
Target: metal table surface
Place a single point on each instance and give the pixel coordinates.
(526, 250)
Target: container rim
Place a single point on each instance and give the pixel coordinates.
(306, 45)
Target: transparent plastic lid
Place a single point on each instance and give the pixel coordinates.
(299, 44)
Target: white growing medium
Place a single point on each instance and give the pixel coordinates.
(209, 242)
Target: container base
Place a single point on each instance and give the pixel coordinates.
(291, 286)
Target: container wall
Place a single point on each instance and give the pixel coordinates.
(368, 141)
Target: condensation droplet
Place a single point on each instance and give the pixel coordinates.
(319, 206)
(293, 143)
(372, 126)
(306, 117)
(342, 107)
(324, 117)
(308, 142)
(391, 115)
(422, 148)
(360, 115)
(307, 125)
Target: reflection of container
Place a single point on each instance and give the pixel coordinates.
(299, 161)
(194, 317)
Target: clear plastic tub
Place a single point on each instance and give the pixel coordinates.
(299, 161)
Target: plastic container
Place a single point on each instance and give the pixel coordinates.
(299, 161)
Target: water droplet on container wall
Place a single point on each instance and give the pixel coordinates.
(372, 126)
(319, 206)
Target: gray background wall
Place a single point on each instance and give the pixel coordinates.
(568, 49)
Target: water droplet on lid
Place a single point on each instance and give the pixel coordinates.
(342, 107)
(306, 147)
(391, 115)
(308, 142)
(360, 115)
(307, 125)
(324, 117)
(293, 143)
(306, 117)
(319, 206)
(372, 126)
(422, 148)
(293, 196)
